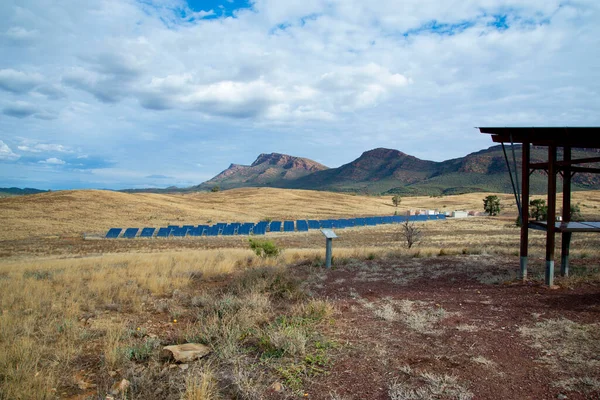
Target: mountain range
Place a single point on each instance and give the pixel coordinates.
(389, 171)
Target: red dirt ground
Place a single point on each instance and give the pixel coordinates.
(373, 349)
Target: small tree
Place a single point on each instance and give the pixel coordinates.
(264, 248)
(410, 233)
(491, 205)
(397, 200)
(576, 215)
(215, 189)
(538, 209)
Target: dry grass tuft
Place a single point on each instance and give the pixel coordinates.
(201, 384)
(570, 348)
(421, 318)
(418, 385)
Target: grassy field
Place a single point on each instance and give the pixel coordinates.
(79, 316)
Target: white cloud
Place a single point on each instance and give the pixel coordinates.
(18, 34)
(17, 81)
(131, 81)
(20, 109)
(45, 147)
(53, 161)
(6, 154)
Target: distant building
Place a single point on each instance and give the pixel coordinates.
(460, 214)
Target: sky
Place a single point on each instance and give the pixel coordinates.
(153, 93)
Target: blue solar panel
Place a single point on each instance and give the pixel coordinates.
(275, 226)
(260, 228)
(288, 226)
(130, 233)
(245, 228)
(302, 225)
(371, 221)
(214, 230)
(147, 232)
(113, 233)
(233, 228)
(201, 230)
(360, 222)
(228, 230)
(163, 232)
(326, 223)
(313, 224)
(177, 231)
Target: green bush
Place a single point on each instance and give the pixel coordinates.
(264, 248)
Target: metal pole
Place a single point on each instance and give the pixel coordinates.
(524, 211)
(551, 218)
(566, 213)
(329, 241)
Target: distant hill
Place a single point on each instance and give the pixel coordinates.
(391, 171)
(13, 191)
(271, 170)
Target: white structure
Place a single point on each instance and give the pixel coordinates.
(460, 214)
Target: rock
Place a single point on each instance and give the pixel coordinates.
(183, 367)
(277, 387)
(120, 387)
(112, 373)
(561, 396)
(185, 353)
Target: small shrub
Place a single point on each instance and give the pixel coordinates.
(410, 233)
(38, 275)
(264, 248)
(141, 352)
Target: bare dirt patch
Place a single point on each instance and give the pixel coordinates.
(441, 333)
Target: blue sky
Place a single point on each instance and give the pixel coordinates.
(153, 93)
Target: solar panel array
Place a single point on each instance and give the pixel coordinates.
(261, 228)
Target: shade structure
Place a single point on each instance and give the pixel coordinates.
(551, 138)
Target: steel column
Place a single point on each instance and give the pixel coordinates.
(566, 212)
(328, 253)
(551, 216)
(526, 155)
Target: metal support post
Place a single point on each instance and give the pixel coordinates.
(566, 213)
(329, 242)
(525, 209)
(551, 218)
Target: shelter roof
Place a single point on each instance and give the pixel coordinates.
(584, 137)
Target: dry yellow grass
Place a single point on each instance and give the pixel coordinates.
(47, 300)
(94, 211)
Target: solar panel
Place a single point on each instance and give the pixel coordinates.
(302, 225)
(147, 232)
(179, 231)
(371, 221)
(163, 232)
(288, 226)
(360, 222)
(260, 228)
(201, 230)
(275, 226)
(326, 223)
(313, 224)
(228, 230)
(214, 230)
(130, 233)
(113, 233)
(245, 228)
